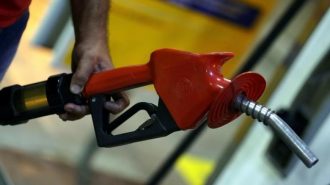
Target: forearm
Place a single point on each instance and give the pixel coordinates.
(90, 18)
(91, 51)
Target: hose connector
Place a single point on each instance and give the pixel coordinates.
(280, 127)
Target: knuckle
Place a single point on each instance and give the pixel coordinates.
(126, 102)
(81, 77)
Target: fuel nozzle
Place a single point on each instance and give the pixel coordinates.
(189, 85)
(279, 126)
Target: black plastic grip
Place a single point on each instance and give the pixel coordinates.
(54, 93)
(152, 128)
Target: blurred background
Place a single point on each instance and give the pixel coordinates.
(287, 41)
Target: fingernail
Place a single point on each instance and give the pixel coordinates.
(75, 89)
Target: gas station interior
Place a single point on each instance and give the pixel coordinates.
(286, 41)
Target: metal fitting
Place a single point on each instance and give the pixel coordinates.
(279, 126)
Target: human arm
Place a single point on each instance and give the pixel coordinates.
(91, 53)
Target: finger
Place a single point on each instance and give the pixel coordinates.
(120, 102)
(74, 112)
(69, 117)
(114, 107)
(74, 109)
(121, 96)
(80, 77)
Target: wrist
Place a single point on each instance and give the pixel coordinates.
(97, 38)
(87, 44)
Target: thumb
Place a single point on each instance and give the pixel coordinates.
(81, 76)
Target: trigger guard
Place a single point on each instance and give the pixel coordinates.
(103, 129)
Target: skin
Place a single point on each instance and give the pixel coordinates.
(90, 54)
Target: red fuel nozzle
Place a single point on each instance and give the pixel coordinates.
(189, 84)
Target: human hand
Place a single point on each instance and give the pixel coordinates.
(88, 59)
